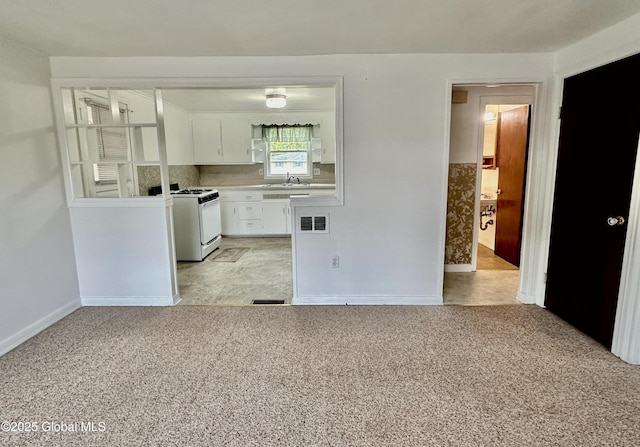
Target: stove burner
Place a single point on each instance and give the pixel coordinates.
(192, 191)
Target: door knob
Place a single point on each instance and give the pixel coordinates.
(615, 221)
(499, 192)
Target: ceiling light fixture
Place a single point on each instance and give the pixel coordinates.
(276, 100)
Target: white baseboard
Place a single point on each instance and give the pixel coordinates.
(526, 298)
(388, 300)
(458, 268)
(23, 335)
(128, 301)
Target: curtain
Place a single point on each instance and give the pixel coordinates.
(287, 133)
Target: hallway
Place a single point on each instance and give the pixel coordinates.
(494, 283)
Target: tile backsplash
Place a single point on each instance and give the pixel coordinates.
(235, 175)
(219, 175)
(184, 176)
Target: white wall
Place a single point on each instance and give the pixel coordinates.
(390, 231)
(38, 282)
(616, 42)
(466, 118)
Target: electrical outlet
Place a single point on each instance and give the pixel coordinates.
(260, 171)
(316, 171)
(335, 262)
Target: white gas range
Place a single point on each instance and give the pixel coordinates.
(197, 223)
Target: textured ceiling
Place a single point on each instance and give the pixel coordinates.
(303, 27)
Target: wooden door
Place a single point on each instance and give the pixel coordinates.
(596, 157)
(511, 156)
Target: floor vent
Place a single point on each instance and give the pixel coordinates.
(314, 224)
(267, 302)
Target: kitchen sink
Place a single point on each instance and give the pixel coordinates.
(294, 185)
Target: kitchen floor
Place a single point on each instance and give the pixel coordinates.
(263, 271)
(495, 282)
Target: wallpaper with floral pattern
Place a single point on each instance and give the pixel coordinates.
(460, 208)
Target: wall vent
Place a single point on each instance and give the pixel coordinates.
(314, 224)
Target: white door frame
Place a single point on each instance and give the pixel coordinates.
(484, 101)
(538, 191)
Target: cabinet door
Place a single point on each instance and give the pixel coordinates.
(179, 136)
(236, 141)
(274, 217)
(229, 216)
(327, 135)
(289, 216)
(207, 147)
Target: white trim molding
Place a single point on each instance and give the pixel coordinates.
(626, 333)
(459, 268)
(33, 329)
(370, 300)
(129, 301)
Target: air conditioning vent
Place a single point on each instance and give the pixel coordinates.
(306, 223)
(320, 223)
(314, 224)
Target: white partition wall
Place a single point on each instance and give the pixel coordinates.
(124, 254)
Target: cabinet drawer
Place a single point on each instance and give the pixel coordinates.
(240, 197)
(250, 197)
(250, 210)
(250, 226)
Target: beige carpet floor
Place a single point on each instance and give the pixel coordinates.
(318, 376)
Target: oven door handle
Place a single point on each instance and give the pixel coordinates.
(210, 202)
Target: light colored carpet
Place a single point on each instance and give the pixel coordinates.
(320, 376)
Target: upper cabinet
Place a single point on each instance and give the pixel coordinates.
(236, 140)
(326, 131)
(207, 140)
(221, 140)
(179, 137)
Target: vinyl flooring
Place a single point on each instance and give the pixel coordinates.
(264, 272)
(495, 282)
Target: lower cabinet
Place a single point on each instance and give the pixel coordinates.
(276, 217)
(244, 215)
(229, 217)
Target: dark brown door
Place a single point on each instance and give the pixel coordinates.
(596, 157)
(511, 156)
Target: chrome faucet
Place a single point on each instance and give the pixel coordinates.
(291, 177)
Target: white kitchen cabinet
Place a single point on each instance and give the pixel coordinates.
(326, 131)
(178, 135)
(207, 140)
(223, 140)
(250, 227)
(229, 216)
(289, 217)
(276, 217)
(236, 141)
(241, 214)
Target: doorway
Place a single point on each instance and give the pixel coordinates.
(505, 145)
(486, 176)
